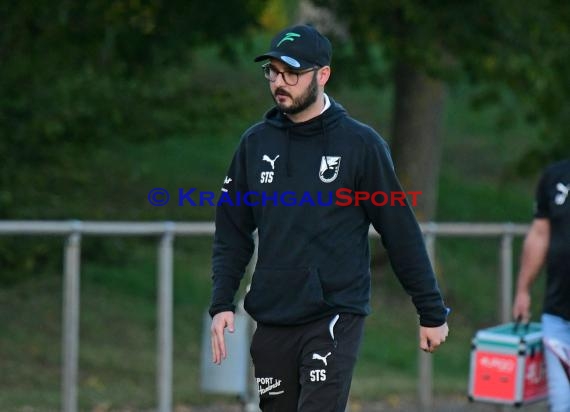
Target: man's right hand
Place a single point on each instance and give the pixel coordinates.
(521, 307)
(220, 321)
(535, 249)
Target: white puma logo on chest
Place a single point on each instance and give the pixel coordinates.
(323, 358)
(560, 198)
(270, 161)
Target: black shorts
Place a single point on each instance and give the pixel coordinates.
(306, 368)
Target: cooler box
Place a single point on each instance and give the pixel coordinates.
(507, 365)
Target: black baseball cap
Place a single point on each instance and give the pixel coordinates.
(300, 47)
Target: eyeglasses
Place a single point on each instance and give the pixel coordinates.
(289, 77)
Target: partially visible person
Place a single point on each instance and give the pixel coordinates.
(548, 241)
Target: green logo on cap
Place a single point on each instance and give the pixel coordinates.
(288, 37)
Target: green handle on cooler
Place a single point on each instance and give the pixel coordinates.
(518, 322)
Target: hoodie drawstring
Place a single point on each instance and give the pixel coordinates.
(325, 141)
(288, 164)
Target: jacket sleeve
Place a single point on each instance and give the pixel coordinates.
(233, 239)
(400, 233)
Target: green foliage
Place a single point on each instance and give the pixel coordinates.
(522, 47)
(79, 76)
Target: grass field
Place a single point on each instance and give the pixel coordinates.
(118, 290)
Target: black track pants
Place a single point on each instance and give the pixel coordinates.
(306, 368)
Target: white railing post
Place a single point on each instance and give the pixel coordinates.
(165, 303)
(506, 281)
(425, 381)
(70, 346)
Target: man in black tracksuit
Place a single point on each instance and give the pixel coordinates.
(301, 178)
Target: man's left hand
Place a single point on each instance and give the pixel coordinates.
(431, 338)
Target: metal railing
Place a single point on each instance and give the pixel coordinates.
(167, 231)
(507, 232)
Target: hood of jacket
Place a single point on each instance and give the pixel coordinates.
(318, 127)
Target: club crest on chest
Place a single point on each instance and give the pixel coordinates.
(330, 166)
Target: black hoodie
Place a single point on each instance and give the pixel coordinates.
(313, 256)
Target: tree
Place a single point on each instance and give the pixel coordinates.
(429, 44)
(76, 75)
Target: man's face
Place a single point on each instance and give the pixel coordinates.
(293, 99)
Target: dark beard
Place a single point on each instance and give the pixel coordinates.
(304, 101)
